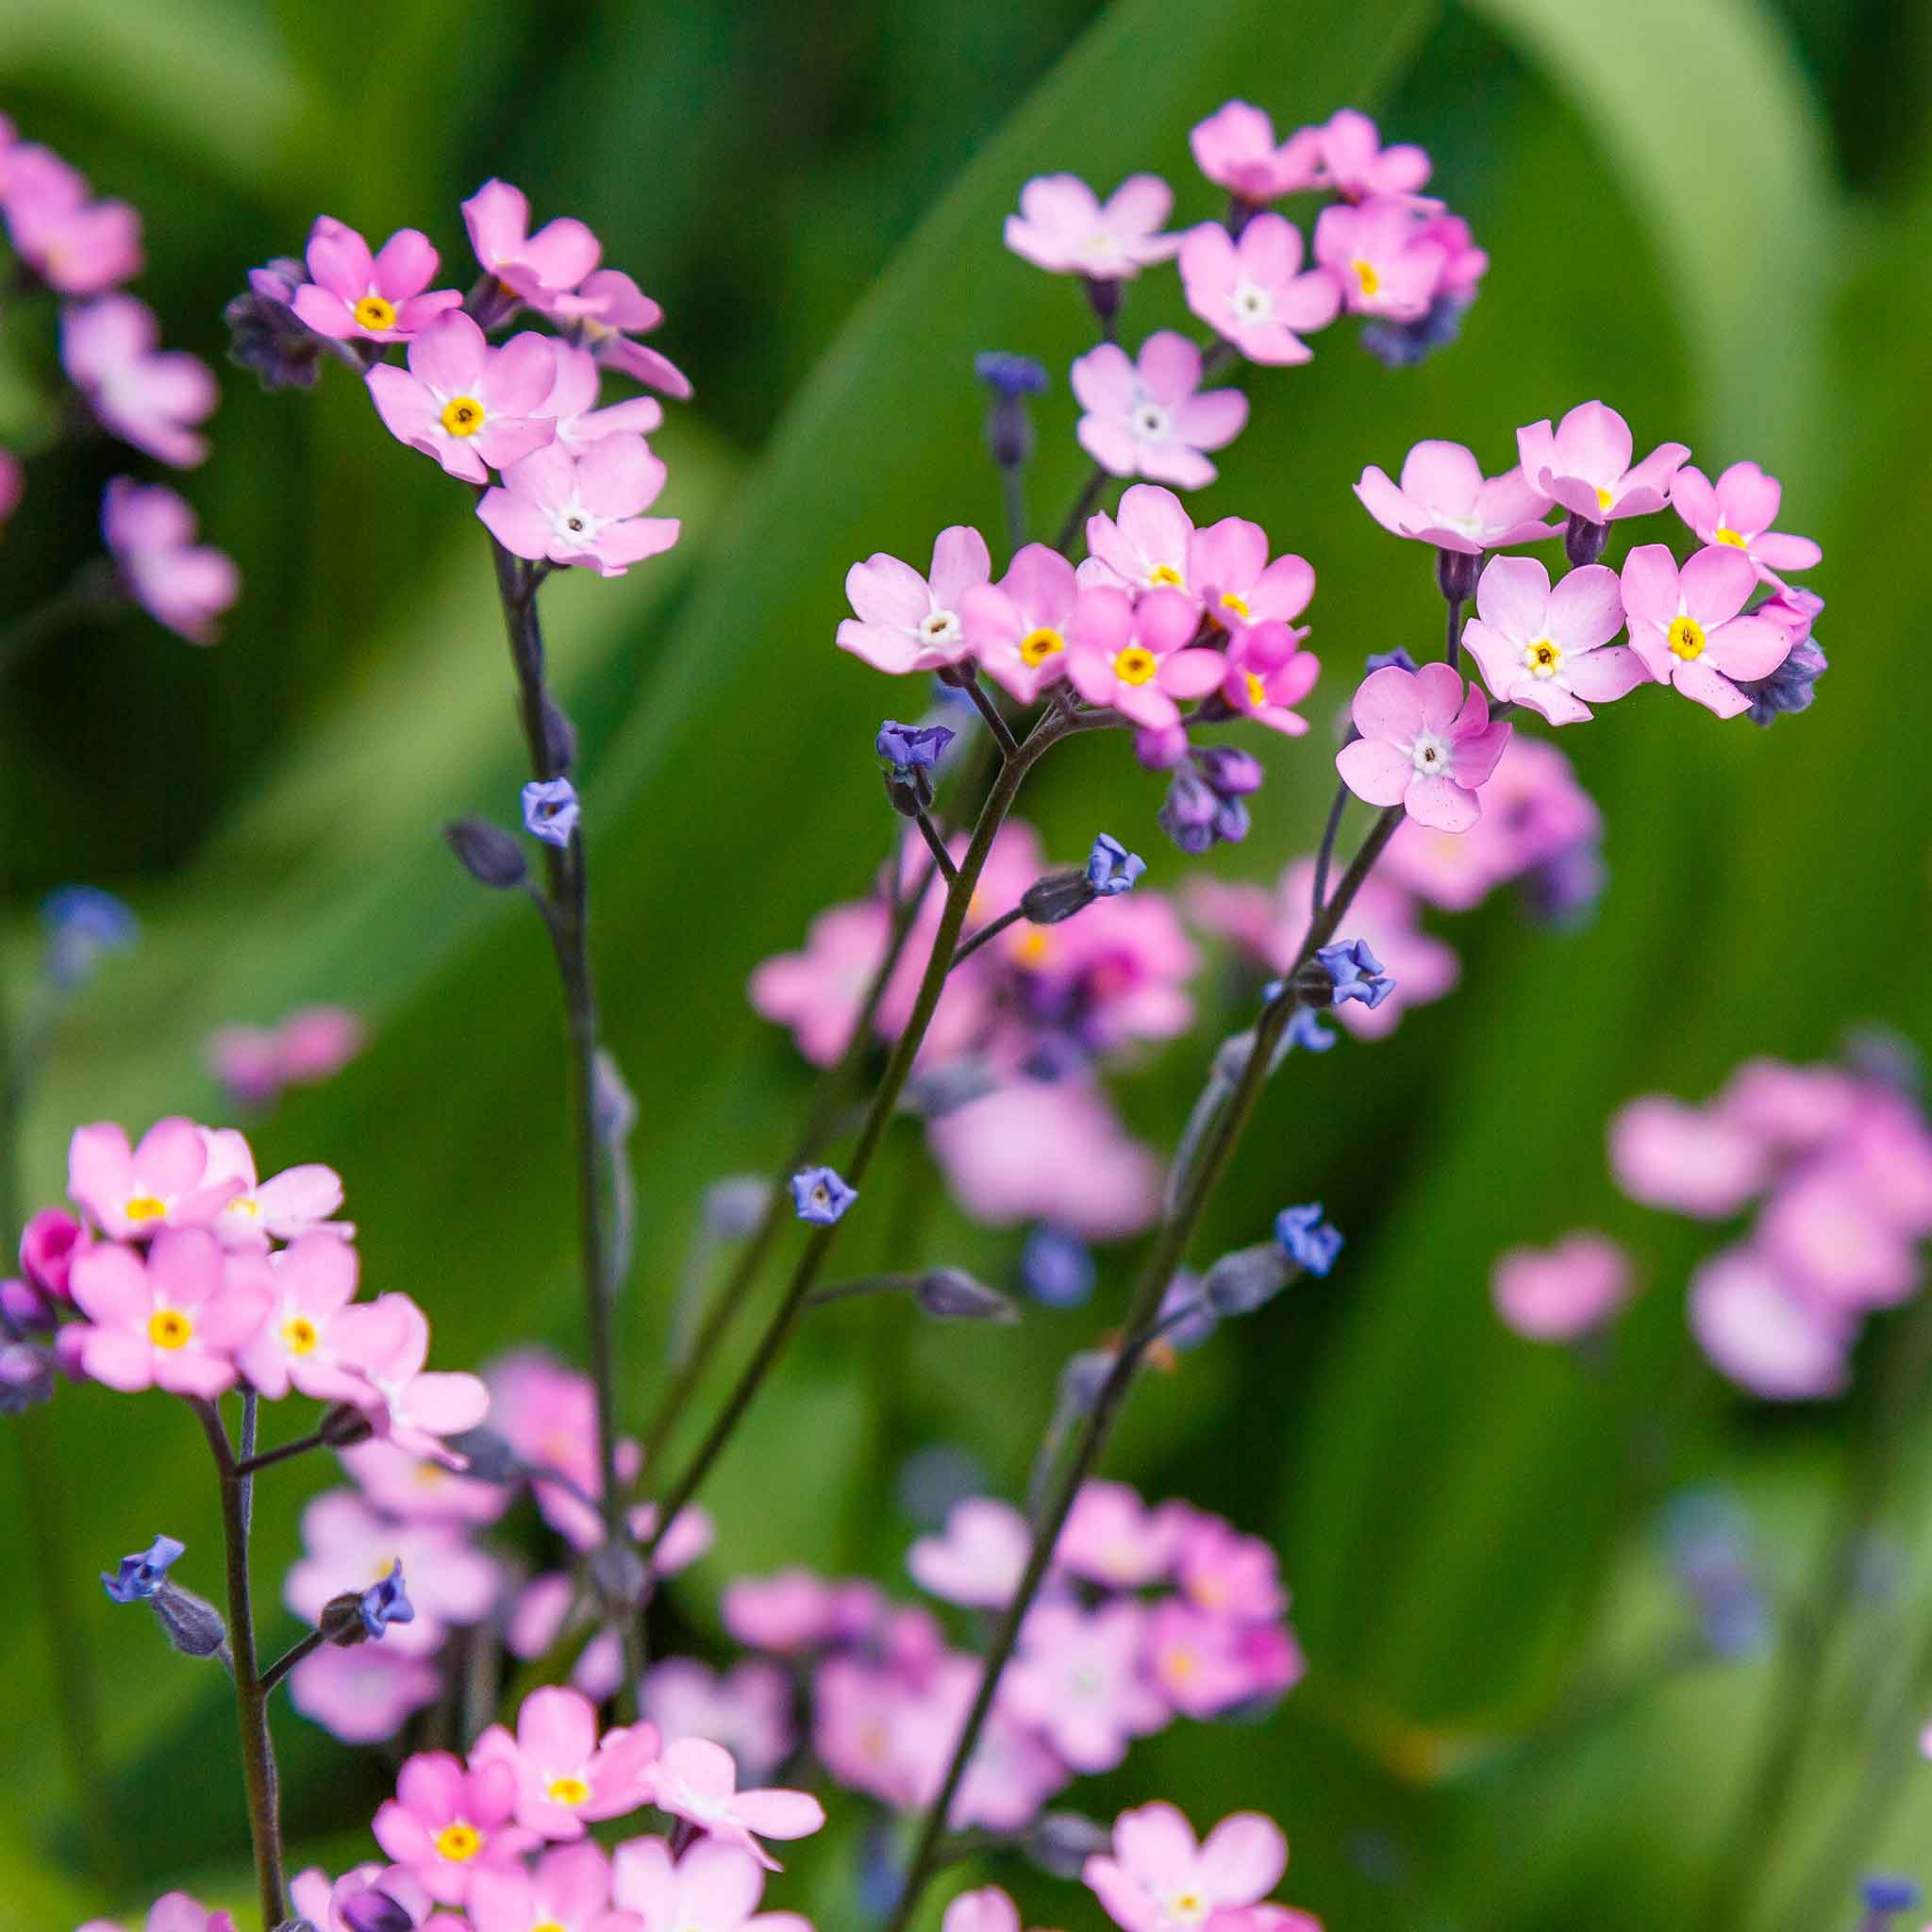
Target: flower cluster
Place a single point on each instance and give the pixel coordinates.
(254, 1064)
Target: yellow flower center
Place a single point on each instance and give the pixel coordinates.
(569, 1791)
(1134, 665)
(300, 1335)
(1233, 600)
(1182, 1664)
(458, 1844)
(145, 1207)
(1032, 947)
(1731, 536)
(462, 415)
(1165, 573)
(1542, 659)
(373, 312)
(548, 1925)
(1365, 274)
(1604, 498)
(1190, 1904)
(1037, 647)
(170, 1329)
(1686, 638)
(245, 1205)
(1257, 692)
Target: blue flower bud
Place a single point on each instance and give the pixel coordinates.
(1381, 660)
(140, 1577)
(193, 1626)
(1231, 822)
(1307, 1239)
(1057, 1267)
(1402, 345)
(1305, 1030)
(1884, 1894)
(550, 809)
(386, 1602)
(819, 1195)
(1189, 813)
(1007, 374)
(1229, 771)
(903, 748)
(1239, 1283)
(1356, 972)
(83, 924)
(1112, 868)
(1790, 687)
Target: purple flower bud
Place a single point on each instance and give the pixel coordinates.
(1007, 374)
(950, 1295)
(1402, 345)
(1061, 1842)
(487, 853)
(1187, 815)
(734, 1206)
(386, 1602)
(1009, 428)
(903, 748)
(819, 1195)
(139, 1576)
(27, 1375)
(1357, 974)
(1307, 1239)
(1380, 660)
(1584, 541)
(1057, 1267)
(1239, 1283)
(343, 1425)
(1185, 1320)
(83, 924)
(375, 1912)
(1160, 750)
(193, 1626)
(266, 335)
(1230, 771)
(1112, 868)
(1231, 822)
(1306, 1032)
(1790, 687)
(550, 809)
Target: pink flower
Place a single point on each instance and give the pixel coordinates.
(48, 1243)
(1223, 1571)
(1229, 572)
(76, 244)
(747, 1709)
(608, 309)
(582, 509)
(12, 484)
(690, 1537)
(1739, 512)
(548, 1414)
(1063, 226)
(1424, 745)
(381, 298)
(989, 1909)
(174, 1320)
(1585, 465)
(1794, 1108)
(1111, 1538)
(538, 267)
(1465, 264)
(566, 1775)
(445, 1824)
(1267, 674)
(1444, 500)
(819, 991)
(255, 1063)
(696, 1780)
(566, 1891)
(149, 532)
(572, 402)
(469, 406)
(1356, 165)
(1144, 547)
(1686, 627)
(388, 1339)
(1551, 649)
(1253, 292)
(904, 622)
(1017, 628)
(1691, 1161)
(1196, 1660)
(297, 1345)
(418, 1490)
(174, 1911)
(1767, 1339)
(325, 1905)
(979, 1559)
(147, 397)
(713, 1887)
(1158, 1880)
(365, 1694)
(1830, 1242)
(296, 1202)
(1236, 148)
(1151, 418)
(1382, 257)
(1559, 1294)
(1133, 656)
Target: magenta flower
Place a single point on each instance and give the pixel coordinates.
(1017, 629)
(1686, 626)
(1229, 572)
(1133, 656)
(174, 1320)
(548, 1414)
(446, 1823)
(1356, 164)
(696, 1780)
(608, 311)
(566, 1891)
(582, 509)
(979, 1559)
(572, 403)
(566, 1775)
(1268, 674)
(296, 1202)
(149, 532)
(1143, 546)
(1236, 148)
(164, 1181)
(147, 396)
(1444, 499)
(1765, 1336)
(469, 406)
(538, 267)
(904, 622)
(713, 1887)
(797, 1611)
(297, 1345)
(1152, 417)
(1831, 1241)
(388, 1340)
(174, 1911)
(1550, 649)
(1159, 1880)
(1559, 1294)
(1691, 1161)
(1254, 292)
(1113, 1539)
(1424, 745)
(1196, 1660)
(1585, 465)
(747, 1709)
(74, 243)
(1064, 228)
(1077, 1678)
(1739, 510)
(1464, 264)
(818, 992)
(380, 297)
(1381, 256)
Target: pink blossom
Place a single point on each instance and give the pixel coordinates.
(1464, 265)
(149, 532)
(608, 311)
(1268, 674)
(747, 1709)
(1111, 1538)
(1151, 417)
(1063, 226)
(419, 1490)
(1738, 511)
(1159, 1880)
(1356, 165)
(1424, 745)
(1254, 291)
(174, 1911)
(688, 1538)
(819, 992)
(572, 403)
(1765, 1337)
(1794, 1107)
(76, 244)
(1444, 500)
(582, 509)
(979, 1559)
(1381, 256)
(1692, 1160)
(1223, 1571)
(48, 1244)
(904, 622)
(1236, 148)
(1134, 656)
(1685, 624)
(566, 1891)
(12, 485)
(567, 1777)
(413, 1408)
(696, 1780)
(255, 1063)
(1195, 1660)
(1144, 546)
(365, 1694)
(1229, 572)
(1559, 1294)
(1017, 628)
(297, 1344)
(296, 1202)
(1550, 649)
(469, 406)
(538, 267)
(548, 1414)
(713, 1887)
(173, 1321)
(380, 297)
(1585, 465)
(1830, 1242)
(325, 1904)
(989, 1909)
(446, 1823)
(788, 1612)
(147, 396)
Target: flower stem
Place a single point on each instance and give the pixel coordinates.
(984, 704)
(990, 930)
(267, 1459)
(1325, 857)
(1452, 646)
(934, 844)
(289, 1658)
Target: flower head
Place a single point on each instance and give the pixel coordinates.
(609, 311)
(1355, 971)
(1064, 228)
(1356, 164)
(1739, 510)
(540, 267)
(1309, 1241)
(1584, 464)
(1254, 291)
(384, 1602)
(78, 245)
(1382, 257)
(446, 1824)
(379, 297)
(1236, 148)
(1018, 630)
(1144, 546)
(584, 508)
(1424, 745)
(138, 1577)
(817, 1194)
(1159, 1879)
(146, 396)
(471, 407)
(713, 1887)
(1112, 868)
(696, 1780)
(1550, 649)
(1444, 499)
(1557, 1293)
(1078, 1677)
(149, 532)
(1150, 417)
(904, 622)
(566, 1775)
(911, 747)
(1134, 656)
(550, 809)
(1686, 628)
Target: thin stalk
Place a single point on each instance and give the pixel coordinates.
(289, 1658)
(1013, 500)
(267, 1459)
(990, 930)
(1452, 646)
(983, 703)
(1325, 857)
(1082, 510)
(934, 844)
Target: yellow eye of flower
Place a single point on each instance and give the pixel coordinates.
(1366, 274)
(1542, 659)
(300, 1335)
(458, 1844)
(1731, 536)
(462, 415)
(1233, 600)
(1604, 498)
(1134, 665)
(145, 1207)
(170, 1329)
(1686, 638)
(1166, 573)
(569, 1791)
(1257, 692)
(1037, 647)
(373, 312)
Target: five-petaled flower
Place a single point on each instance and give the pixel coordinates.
(1444, 499)
(1151, 417)
(697, 1781)
(1686, 626)
(1254, 291)
(1063, 226)
(471, 407)
(584, 508)
(819, 1194)
(384, 297)
(1584, 464)
(1739, 510)
(1424, 745)
(1550, 649)
(904, 622)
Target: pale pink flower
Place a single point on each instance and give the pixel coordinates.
(713, 1887)
(366, 1693)
(1254, 291)
(566, 1891)
(1767, 1339)
(1236, 148)
(1381, 256)
(787, 1613)
(12, 484)
(567, 1777)
(979, 1559)
(469, 406)
(297, 1344)
(381, 297)
(572, 403)
(1196, 1660)
(904, 622)
(419, 1490)
(538, 267)
(582, 509)
(1150, 417)
(1585, 465)
(1550, 649)
(696, 1780)
(147, 396)
(1159, 1880)
(1444, 500)
(76, 244)
(1464, 265)
(548, 1414)
(325, 1904)
(1229, 571)
(1133, 655)
(818, 992)
(1356, 165)
(1686, 626)
(747, 1709)
(1738, 511)
(1829, 1240)
(388, 1339)
(174, 1911)
(688, 1538)
(608, 311)
(255, 1063)
(1143, 546)
(1559, 1294)
(1063, 226)
(1017, 628)
(296, 1202)
(1113, 1537)
(989, 1909)
(1691, 1159)
(1425, 745)
(149, 532)
(446, 1823)
(1794, 1108)
(1223, 1571)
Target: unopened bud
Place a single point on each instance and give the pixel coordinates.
(1230, 771)
(908, 792)
(1583, 541)
(487, 1454)
(1083, 1379)
(559, 738)
(375, 1912)
(1456, 573)
(487, 853)
(194, 1628)
(619, 1575)
(343, 1425)
(1061, 1842)
(953, 1295)
(1058, 896)
(1188, 814)
(1239, 1283)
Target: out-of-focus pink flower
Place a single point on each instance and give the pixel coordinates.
(584, 510)
(413, 1407)
(1464, 264)
(1793, 1107)
(567, 1777)
(1356, 164)
(689, 1539)
(469, 406)
(380, 297)
(1692, 1160)
(147, 396)
(174, 1911)
(1151, 417)
(819, 991)
(1196, 1660)
(149, 532)
(566, 1891)
(12, 484)
(297, 1345)
(538, 267)
(1739, 510)
(547, 1413)
(1424, 745)
(1134, 655)
(1829, 1240)
(1381, 258)
(989, 1909)
(1113, 1537)
(1223, 1571)
(904, 622)
(446, 1823)
(1064, 228)
(1584, 464)
(1685, 624)
(1765, 1337)
(76, 244)
(1254, 291)
(48, 1244)
(696, 1780)
(161, 1182)
(255, 1063)
(1017, 629)
(364, 1694)
(1236, 148)
(788, 1612)
(1555, 1294)
(327, 1906)
(1144, 547)
(713, 1887)
(1159, 1880)
(1550, 649)
(296, 1202)
(979, 1559)
(572, 403)
(419, 1490)
(1444, 500)
(610, 311)
(747, 1709)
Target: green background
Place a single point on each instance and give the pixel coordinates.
(1712, 213)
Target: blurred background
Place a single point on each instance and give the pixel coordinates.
(1712, 213)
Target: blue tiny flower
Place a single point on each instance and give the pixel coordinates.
(1009, 374)
(1306, 1030)
(1057, 1267)
(83, 924)
(1357, 973)
(1789, 687)
(1112, 868)
(1402, 345)
(1229, 772)
(819, 1195)
(1883, 1893)
(1308, 1240)
(384, 1602)
(911, 747)
(139, 1578)
(550, 809)
(1381, 660)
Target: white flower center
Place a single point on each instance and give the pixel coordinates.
(574, 525)
(1430, 754)
(940, 627)
(1151, 423)
(1251, 303)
